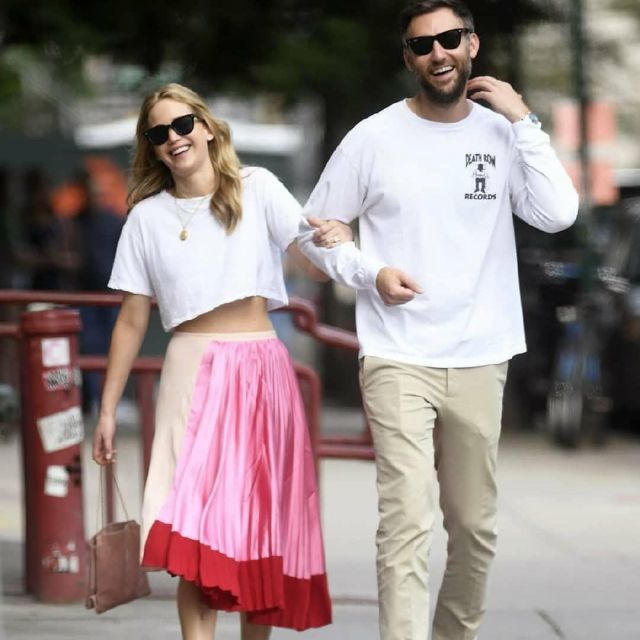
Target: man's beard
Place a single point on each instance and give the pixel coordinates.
(452, 95)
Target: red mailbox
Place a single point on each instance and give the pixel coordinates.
(52, 433)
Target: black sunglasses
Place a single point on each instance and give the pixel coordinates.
(182, 125)
(422, 45)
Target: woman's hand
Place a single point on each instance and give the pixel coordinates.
(330, 233)
(103, 451)
(126, 339)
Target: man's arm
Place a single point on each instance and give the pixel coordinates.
(542, 193)
(329, 233)
(347, 265)
(340, 194)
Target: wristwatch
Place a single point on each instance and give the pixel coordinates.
(531, 118)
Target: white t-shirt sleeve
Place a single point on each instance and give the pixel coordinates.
(282, 210)
(129, 272)
(340, 192)
(541, 191)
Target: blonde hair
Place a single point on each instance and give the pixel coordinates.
(150, 176)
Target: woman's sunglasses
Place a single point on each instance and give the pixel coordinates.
(182, 125)
(422, 45)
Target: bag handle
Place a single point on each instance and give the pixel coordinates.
(102, 491)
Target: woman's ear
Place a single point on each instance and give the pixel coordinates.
(210, 134)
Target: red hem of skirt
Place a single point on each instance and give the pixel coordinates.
(257, 587)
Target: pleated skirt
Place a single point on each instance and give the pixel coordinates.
(230, 501)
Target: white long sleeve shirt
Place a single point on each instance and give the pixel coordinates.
(436, 201)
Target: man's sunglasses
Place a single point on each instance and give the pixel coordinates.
(182, 125)
(422, 45)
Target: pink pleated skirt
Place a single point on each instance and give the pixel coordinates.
(231, 501)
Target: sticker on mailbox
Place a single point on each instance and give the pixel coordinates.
(58, 379)
(56, 482)
(55, 352)
(61, 430)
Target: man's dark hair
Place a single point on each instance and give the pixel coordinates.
(420, 7)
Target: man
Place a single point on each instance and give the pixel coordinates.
(438, 328)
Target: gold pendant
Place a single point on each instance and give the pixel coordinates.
(183, 234)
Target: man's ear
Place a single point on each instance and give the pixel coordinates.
(474, 45)
(407, 59)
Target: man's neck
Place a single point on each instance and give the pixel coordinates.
(422, 106)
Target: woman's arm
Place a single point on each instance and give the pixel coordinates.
(328, 234)
(126, 339)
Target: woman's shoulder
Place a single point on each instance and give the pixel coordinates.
(264, 189)
(255, 175)
(149, 206)
(261, 181)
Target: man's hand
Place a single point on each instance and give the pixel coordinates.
(396, 287)
(500, 95)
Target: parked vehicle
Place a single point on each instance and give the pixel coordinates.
(582, 302)
(596, 375)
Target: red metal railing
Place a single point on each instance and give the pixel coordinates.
(147, 368)
(40, 405)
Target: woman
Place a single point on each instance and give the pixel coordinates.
(230, 502)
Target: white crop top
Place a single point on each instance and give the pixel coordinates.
(210, 267)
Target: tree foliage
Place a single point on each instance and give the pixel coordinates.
(346, 54)
(630, 6)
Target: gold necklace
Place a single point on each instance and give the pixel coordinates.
(190, 213)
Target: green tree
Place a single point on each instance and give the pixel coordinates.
(349, 55)
(630, 6)
(345, 54)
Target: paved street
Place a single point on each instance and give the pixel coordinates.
(568, 563)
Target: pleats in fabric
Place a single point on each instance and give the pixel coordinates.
(242, 518)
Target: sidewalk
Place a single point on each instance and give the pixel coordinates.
(568, 563)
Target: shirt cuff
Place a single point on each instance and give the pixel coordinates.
(370, 269)
(526, 133)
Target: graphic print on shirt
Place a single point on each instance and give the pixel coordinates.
(480, 167)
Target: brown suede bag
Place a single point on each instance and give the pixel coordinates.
(115, 576)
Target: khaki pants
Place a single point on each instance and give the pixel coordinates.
(429, 422)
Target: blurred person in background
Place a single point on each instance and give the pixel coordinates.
(97, 230)
(48, 249)
(230, 503)
(434, 181)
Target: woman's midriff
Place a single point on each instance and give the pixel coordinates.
(248, 314)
